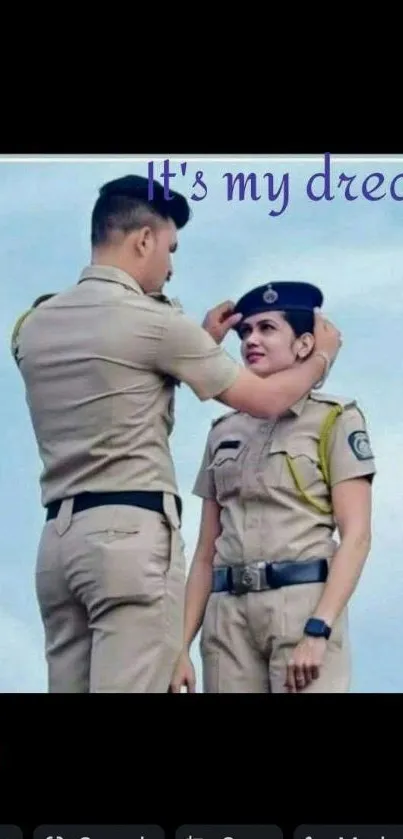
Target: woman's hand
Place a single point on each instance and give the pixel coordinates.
(184, 675)
(305, 663)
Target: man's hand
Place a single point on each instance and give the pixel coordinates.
(219, 321)
(305, 663)
(327, 336)
(184, 675)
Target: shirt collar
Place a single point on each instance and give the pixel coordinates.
(298, 406)
(171, 301)
(111, 274)
(115, 275)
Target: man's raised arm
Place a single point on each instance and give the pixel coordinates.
(189, 353)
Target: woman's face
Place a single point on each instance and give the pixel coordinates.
(268, 344)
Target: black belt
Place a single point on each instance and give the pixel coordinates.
(260, 576)
(133, 498)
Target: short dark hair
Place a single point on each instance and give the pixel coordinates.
(125, 204)
(300, 321)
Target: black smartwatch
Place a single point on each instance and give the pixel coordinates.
(317, 628)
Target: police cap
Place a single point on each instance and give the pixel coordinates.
(276, 297)
(175, 207)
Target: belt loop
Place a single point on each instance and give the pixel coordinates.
(64, 516)
(171, 511)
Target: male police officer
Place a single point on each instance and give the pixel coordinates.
(99, 362)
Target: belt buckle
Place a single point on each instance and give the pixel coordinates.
(245, 578)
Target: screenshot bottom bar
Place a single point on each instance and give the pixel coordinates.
(204, 831)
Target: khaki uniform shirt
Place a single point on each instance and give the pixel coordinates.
(244, 469)
(100, 362)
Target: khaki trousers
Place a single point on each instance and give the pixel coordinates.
(247, 641)
(110, 587)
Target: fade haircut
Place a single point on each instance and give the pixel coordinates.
(124, 205)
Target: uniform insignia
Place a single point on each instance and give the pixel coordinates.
(360, 445)
(270, 296)
(228, 444)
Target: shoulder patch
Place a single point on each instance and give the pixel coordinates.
(330, 399)
(360, 445)
(15, 333)
(215, 421)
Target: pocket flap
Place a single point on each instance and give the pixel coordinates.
(296, 448)
(304, 461)
(226, 450)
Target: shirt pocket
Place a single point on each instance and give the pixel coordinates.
(226, 467)
(290, 465)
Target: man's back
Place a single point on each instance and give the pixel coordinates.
(101, 412)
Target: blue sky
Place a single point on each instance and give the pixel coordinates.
(352, 249)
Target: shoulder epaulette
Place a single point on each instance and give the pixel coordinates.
(215, 421)
(330, 399)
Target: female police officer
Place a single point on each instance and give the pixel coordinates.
(269, 582)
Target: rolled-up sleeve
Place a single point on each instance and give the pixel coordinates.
(189, 354)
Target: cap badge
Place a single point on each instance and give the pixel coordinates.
(270, 296)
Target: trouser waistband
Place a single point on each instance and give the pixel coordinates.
(260, 576)
(135, 498)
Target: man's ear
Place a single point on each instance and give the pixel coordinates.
(305, 345)
(142, 240)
